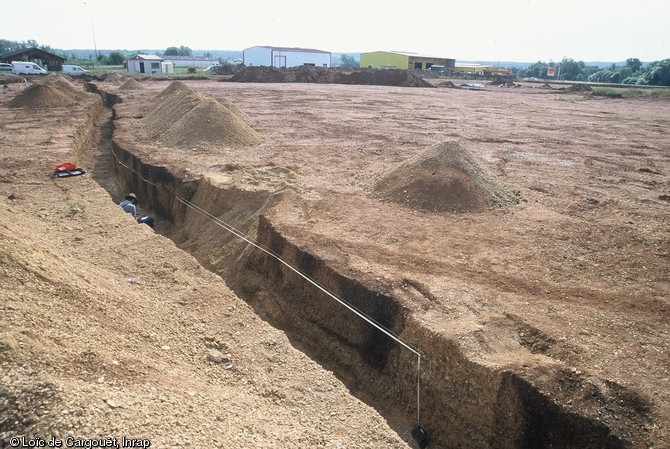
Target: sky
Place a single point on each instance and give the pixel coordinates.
(508, 30)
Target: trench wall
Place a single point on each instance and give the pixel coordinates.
(463, 404)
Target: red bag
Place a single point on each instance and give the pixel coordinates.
(67, 169)
(65, 166)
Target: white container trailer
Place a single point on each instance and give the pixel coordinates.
(284, 57)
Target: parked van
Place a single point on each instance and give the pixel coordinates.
(27, 68)
(68, 68)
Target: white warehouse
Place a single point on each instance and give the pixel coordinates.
(283, 57)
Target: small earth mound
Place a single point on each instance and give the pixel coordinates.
(259, 75)
(319, 75)
(448, 84)
(444, 178)
(182, 117)
(381, 77)
(579, 88)
(210, 122)
(113, 77)
(174, 87)
(546, 86)
(131, 84)
(66, 85)
(171, 104)
(45, 96)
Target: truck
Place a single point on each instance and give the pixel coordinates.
(69, 68)
(27, 68)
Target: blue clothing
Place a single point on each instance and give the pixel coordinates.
(129, 207)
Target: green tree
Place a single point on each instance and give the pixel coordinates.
(656, 74)
(181, 51)
(7, 46)
(571, 69)
(634, 64)
(611, 74)
(115, 58)
(348, 61)
(535, 70)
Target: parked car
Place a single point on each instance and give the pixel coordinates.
(69, 68)
(5, 67)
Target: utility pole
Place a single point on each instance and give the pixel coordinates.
(95, 47)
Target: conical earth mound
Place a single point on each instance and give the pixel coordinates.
(44, 96)
(444, 178)
(209, 122)
(131, 84)
(183, 117)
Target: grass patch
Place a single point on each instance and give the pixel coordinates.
(646, 93)
(74, 208)
(606, 92)
(631, 92)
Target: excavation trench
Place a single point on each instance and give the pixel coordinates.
(463, 403)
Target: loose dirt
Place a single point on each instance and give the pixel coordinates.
(52, 93)
(446, 177)
(322, 75)
(131, 84)
(184, 118)
(110, 329)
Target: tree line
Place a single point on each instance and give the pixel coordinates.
(632, 71)
(109, 58)
(85, 57)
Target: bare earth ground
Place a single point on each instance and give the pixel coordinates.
(581, 261)
(108, 330)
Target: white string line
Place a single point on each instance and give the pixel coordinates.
(241, 236)
(418, 390)
(255, 244)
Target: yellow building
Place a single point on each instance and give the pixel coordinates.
(404, 60)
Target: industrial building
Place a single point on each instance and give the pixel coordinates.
(191, 61)
(404, 60)
(284, 57)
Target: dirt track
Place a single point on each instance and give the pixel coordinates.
(568, 288)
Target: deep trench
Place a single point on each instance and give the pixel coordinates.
(463, 404)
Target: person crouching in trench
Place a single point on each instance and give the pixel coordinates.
(129, 204)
